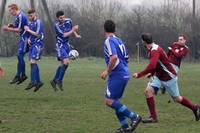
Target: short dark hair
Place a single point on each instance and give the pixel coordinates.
(147, 37)
(109, 26)
(59, 13)
(182, 35)
(31, 11)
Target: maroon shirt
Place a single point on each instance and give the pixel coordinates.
(176, 53)
(159, 64)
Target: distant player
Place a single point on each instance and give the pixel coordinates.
(176, 52)
(20, 21)
(64, 29)
(35, 29)
(1, 72)
(116, 58)
(163, 75)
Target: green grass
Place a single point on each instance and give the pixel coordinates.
(80, 108)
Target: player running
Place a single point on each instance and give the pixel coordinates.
(20, 21)
(176, 52)
(63, 28)
(163, 75)
(116, 58)
(35, 29)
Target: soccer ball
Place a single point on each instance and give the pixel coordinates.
(73, 54)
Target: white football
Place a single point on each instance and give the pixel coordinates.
(73, 54)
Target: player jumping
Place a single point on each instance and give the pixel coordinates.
(116, 57)
(20, 21)
(163, 75)
(35, 29)
(63, 28)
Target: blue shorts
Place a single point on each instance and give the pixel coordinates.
(22, 47)
(115, 88)
(62, 51)
(171, 86)
(35, 51)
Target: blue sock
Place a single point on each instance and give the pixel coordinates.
(57, 73)
(32, 73)
(37, 73)
(62, 71)
(23, 66)
(120, 108)
(122, 119)
(19, 67)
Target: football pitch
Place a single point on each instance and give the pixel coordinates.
(80, 108)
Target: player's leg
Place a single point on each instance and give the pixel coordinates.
(53, 82)
(19, 70)
(173, 90)
(65, 61)
(149, 92)
(114, 91)
(21, 63)
(122, 119)
(39, 84)
(22, 46)
(36, 57)
(63, 67)
(187, 103)
(23, 76)
(62, 55)
(120, 116)
(32, 83)
(58, 79)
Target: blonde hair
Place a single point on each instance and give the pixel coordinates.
(13, 7)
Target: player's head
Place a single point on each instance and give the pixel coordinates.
(109, 26)
(182, 39)
(13, 9)
(147, 38)
(60, 16)
(31, 14)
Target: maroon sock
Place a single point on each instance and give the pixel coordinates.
(186, 102)
(151, 105)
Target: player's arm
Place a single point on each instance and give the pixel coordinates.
(14, 28)
(112, 62)
(150, 67)
(169, 51)
(36, 33)
(111, 65)
(11, 28)
(72, 31)
(60, 33)
(77, 35)
(113, 59)
(27, 29)
(179, 52)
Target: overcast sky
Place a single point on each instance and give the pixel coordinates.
(126, 3)
(131, 2)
